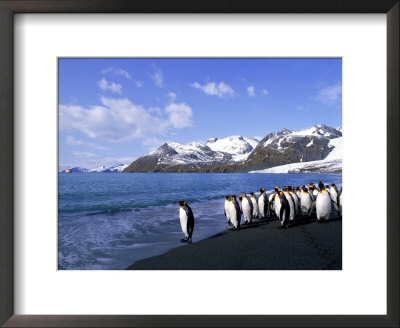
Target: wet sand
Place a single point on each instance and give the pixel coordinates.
(305, 245)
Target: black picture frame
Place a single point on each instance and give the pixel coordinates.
(10, 7)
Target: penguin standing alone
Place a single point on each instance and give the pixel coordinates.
(187, 221)
(263, 204)
(323, 203)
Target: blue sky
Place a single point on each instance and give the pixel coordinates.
(118, 109)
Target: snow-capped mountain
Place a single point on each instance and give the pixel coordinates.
(237, 146)
(226, 151)
(286, 147)
(240, 154)
(331, 163)
(117, 168)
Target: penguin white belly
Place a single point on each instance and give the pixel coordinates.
(228, 216)
(232, 214)
(184, 220)
(271, 197)
(255, 206)
(323, 205)
(296, 202)
(261, 206)
(291, 205)
(277, 206)
(306, 204)
(246, 210)
(334, 197)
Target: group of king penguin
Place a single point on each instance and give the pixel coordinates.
(283, 204)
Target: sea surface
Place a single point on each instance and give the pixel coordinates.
(109, 221)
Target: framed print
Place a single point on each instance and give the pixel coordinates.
(125, 61)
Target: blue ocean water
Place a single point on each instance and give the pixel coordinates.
(109, 221)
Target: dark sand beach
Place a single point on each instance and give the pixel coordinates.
(305, 245)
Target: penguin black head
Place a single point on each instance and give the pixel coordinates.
(333, 185)
(252, 193)
(297, 188)
(240, 197)
(276, 189)
(290, 188)
(181, 203)
(233, 197)
(262, 190)
(305, 189)
(321, 185)
(227, 197)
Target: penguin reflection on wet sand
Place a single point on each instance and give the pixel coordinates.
(187, 221)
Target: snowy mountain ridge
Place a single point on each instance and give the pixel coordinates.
(242, 154)
(117, 168)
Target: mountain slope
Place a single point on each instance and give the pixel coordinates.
(239, 154)
(177, 157)
(285, 147)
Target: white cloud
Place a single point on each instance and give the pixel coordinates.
(71, 141)
(250, 91)
(171, 96)
(83, 154)
(265, 92)
(155, 110)
(116, 120)
(119, 120)
(179, 115)
(331, 94)
(121, 72)
(113, 87)
(157, 77)
(211, 88)
(139, 84)
(117, 71)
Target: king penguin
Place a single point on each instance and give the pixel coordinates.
(247, 208)
(306, 202)
(226, 206)
(282, 208)
(335, 198)
(323, 203)
(292, 205)
(263, 204)
(235, 213)
(187, 221)
(295, 198)
(254, 201)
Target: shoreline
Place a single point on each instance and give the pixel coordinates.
(264, 245)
